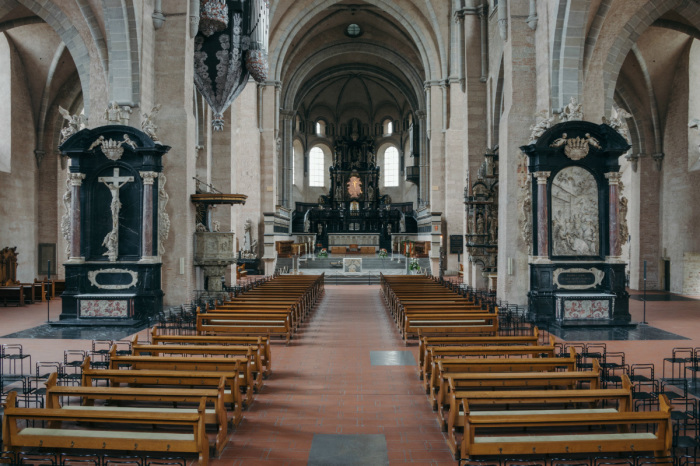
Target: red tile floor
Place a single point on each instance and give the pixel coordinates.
(323, 382)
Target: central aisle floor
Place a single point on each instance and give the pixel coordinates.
(328, 381)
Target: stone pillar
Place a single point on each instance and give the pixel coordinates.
(422, 156)
(147, 222)
(288, 155)
(519, 106)
(614, 213)
(542, 214)
(76, 180)
(174, 78)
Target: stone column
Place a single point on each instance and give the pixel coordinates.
(542, 214)
(614, 213)
(76, 180)
(147, 220)
(288, 155)
(422, 156)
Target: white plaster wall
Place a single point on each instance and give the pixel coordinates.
(5, 107)
(680, 190)
(18, 206)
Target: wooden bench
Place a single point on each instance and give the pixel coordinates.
(426, 342)
(439, 352)
(450, 324)
(12, 295)
(277, 325)
(115, 437)
(170, 378)
(216, 416)
(260, 341)
(241, 365)
(250, 352)
(568, 433)
(462, 403)
(438, 382)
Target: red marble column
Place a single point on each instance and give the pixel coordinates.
(614, 214)
(147, 225)
(76, 180)
(542, 214)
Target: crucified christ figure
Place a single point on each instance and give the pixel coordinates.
(111, 241)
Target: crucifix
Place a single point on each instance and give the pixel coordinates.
(114, 182)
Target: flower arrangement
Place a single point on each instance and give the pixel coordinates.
(383, 253)
(323, 253)
(413, 265)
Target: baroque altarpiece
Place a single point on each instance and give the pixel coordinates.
(576, 272)
(114, 223)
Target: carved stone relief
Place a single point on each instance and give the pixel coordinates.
(65, 219)
(575, 227)
(524, 203)
(163, 218)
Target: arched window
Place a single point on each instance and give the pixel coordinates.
(321, 128)
(316, 167)
(388, 127)
(5, 106)
(391, 167)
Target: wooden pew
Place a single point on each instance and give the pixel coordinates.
(439, 352)
(116, 437)
(12, 295)
(250, 352)
(260, 341)
(216, 416)
(245, 325)
(462, 404)
(427, 341)
(241, 365)
(568, 433)
(170, 378)
(438, 381)
(450, 324)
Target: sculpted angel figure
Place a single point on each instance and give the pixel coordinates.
(148, 125)
(75, 124)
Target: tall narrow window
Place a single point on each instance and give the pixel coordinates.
(316, 168)
(391, 167)
(5, 112)
(388, 127)
(321, 128)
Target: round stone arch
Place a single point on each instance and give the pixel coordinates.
(70, 36)
(568, 51)
(630, 32)
(301, 74)
(422, 37)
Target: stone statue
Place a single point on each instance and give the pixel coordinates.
(479, 224)
(370, 193)
(542, 124)
(216, 226)
(247, 227)
(117, 115)
(320, 229)
(493, 230)
(338, 192)
(148, 126)
(307, 224)
(388, 228)
(254, 248)
(370, 158)
(75, 124)
(200, 228)
(402, 224)
(573, 111)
